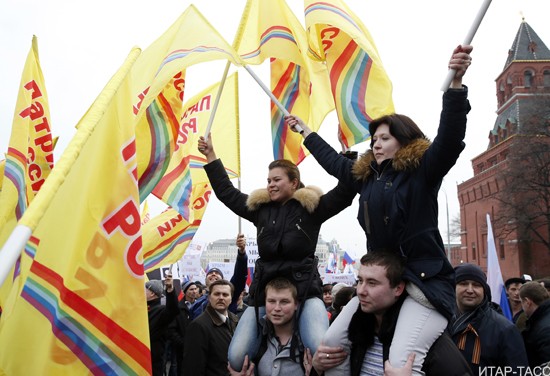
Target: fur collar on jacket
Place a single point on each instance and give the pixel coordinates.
(308, 197)
(406, 159)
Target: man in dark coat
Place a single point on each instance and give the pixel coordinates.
(208, 336)
(536, 305)
(240, 274)
(485, 337)
(160, 316)
(178, 327)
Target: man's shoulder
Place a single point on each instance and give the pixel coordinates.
(202, 320)
(498, 319)
(444, 358)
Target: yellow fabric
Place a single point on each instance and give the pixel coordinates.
(82, 307)
(186, 164)
(167, 236)
(29, 157)
(361, 89)
(269, 29)
(189, 40)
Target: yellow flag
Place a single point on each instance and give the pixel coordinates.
(269, 29)
(167, 236)
(29, 158)
(2, 165)
(145, 214)
(82, 308)
(359, 83)
(158, 87)
(186, 165)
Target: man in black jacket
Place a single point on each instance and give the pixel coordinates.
(208, 336)
(485, 337)
(381, 292)
(240, 273)
(536, 305)
(160, 316)
(178, 327)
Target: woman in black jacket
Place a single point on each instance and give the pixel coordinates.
(398, 181)
(288, 217)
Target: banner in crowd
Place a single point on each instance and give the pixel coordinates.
(189, 265)
(348, 278)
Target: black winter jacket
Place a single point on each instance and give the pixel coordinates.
(176, 333)
(206, 344)
(286, 234)
(398, 200)
(160, 316)
(497, 338)
(537, 335)
(443, 358)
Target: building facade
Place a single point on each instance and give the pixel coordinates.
(225, 250)
(524, 81)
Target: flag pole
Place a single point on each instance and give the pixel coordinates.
(217, 100)
(270, 94)
(12, 249)
(467, 40)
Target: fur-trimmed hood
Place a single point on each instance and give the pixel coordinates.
(308, 197)
(405, 159)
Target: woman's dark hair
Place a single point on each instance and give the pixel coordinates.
(290, 168)
(401, 127)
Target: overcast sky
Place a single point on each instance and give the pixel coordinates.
(82, 44)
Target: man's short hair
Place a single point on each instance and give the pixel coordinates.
(389, 259)
(280, 283)
(222, 282)
(534, 291)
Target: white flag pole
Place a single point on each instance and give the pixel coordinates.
(468, 40)
(270, 94)
(217, 100)
(12, 249)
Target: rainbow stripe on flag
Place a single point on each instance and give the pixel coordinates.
(161, 124)
(285, 83)
(15, 171)
(349, 76)
(360, 87)
(167, 236)
(95, 338)
(269, 29)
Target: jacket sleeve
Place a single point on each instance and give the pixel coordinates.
(543, 343)
(225, 191)
(240, 273)
(195, 355)
(448, 144)
(173, 333)
(334, 201)
(335, 164)
(171, 311)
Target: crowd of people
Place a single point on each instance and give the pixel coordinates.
(410, 312)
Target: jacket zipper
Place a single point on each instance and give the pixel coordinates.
(301, 229)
